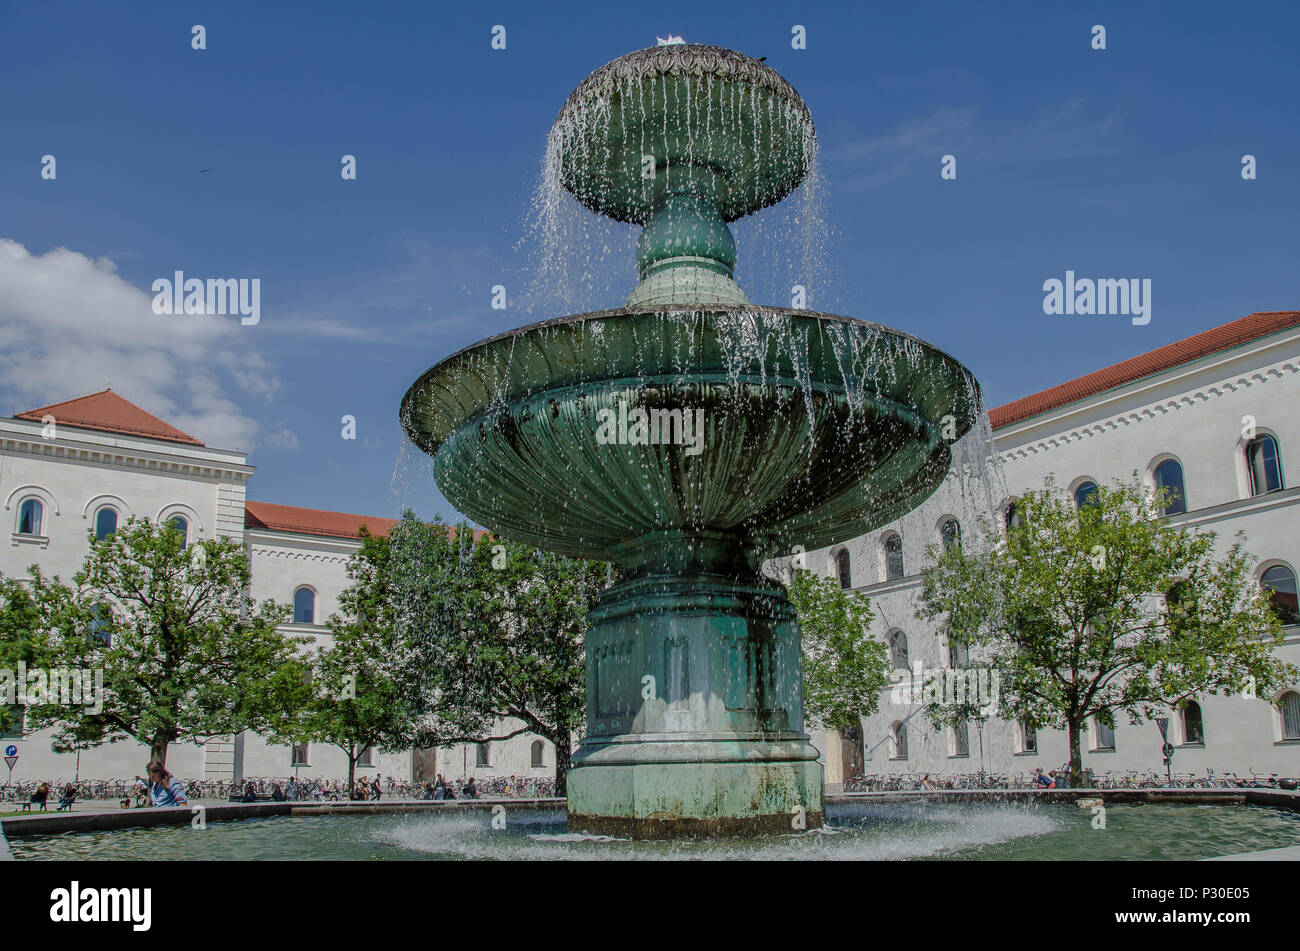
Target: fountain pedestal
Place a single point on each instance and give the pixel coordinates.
(694, 700)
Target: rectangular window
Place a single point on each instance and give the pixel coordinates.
(1105, 737)
(1028, 739)
(13, 720)
(366, 757)
(299, 755)
(481, 757)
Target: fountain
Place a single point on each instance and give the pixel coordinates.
(689, 436)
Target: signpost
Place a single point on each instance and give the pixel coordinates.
(11, 758)
(1167, 750)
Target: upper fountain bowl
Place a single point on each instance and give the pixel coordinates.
(723, 120)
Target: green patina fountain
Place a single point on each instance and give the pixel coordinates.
(689, 436)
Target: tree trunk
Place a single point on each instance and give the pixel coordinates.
(1076, 755)
(563, 756)
(158, 747)
(352, 770)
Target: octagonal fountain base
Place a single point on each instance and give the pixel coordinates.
(694, 706)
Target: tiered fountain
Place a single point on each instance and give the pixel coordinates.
(815, 429)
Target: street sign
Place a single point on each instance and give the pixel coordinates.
(11, 750)
(10, 761)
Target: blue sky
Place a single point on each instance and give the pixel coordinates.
(1117, 163)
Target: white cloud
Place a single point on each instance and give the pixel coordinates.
(283, 438)
(69, 325)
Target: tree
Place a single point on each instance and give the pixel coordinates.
(1090, 611)
(844, 668)
(486, 630)
(353, 700)
(185, 654)
(29, 612)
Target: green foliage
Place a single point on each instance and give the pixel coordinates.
(1074, 610)
(185, 655)
(844, 668)
(487, 629)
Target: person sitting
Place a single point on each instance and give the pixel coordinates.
(277, 794)
(38, 798)
(471, 790)
(250, 792)
(68, 798)
(164, 788)
(1042, 779)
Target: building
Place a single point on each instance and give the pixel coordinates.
(1217, 417)
(1217, 414)
(90, 464)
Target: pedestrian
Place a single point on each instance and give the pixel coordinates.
(377, 787)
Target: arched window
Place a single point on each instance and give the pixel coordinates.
(1279, 582)
(29, 517)
(1105, 736)
(1028, 738)
(482, 756)
(898, 740)
(1085, 494)
(304, 606)
(1264, 462)
(183, 526)
(105, 522)
(893, 557)
(1169, 475)
(842, 567)
(1193, 725)
(1288, 705)
(960, 740)
(101, 617)
(538, 752)
(1012, 517)
(949, 533)
(898, 651)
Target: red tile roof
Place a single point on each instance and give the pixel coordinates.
(107, 412)
(291, 518)
(1214, 340)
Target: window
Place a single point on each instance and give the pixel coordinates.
(29, 517)
(101, 619)
(1289, 706)
(366, 757)
(182, 526)
(958, 654)
(298, 754)
(949, 533)
(1279, 582)
(898, 740)
(481, 755)
(1085, 494)
(960, 740)
(893, 557)
(1105, 736)
(105, 523)
(898, 651)
(1193, 727)
(1012, 517)
(304, 606)
(13, 720)
(1264, 462)
(842, 568)
(1169, 475)
(539, 751)
(1028, 737)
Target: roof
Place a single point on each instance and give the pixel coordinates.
(107, 412)
(1214, 340)
(291, 518)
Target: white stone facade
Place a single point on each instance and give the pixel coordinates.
(1195, 413)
